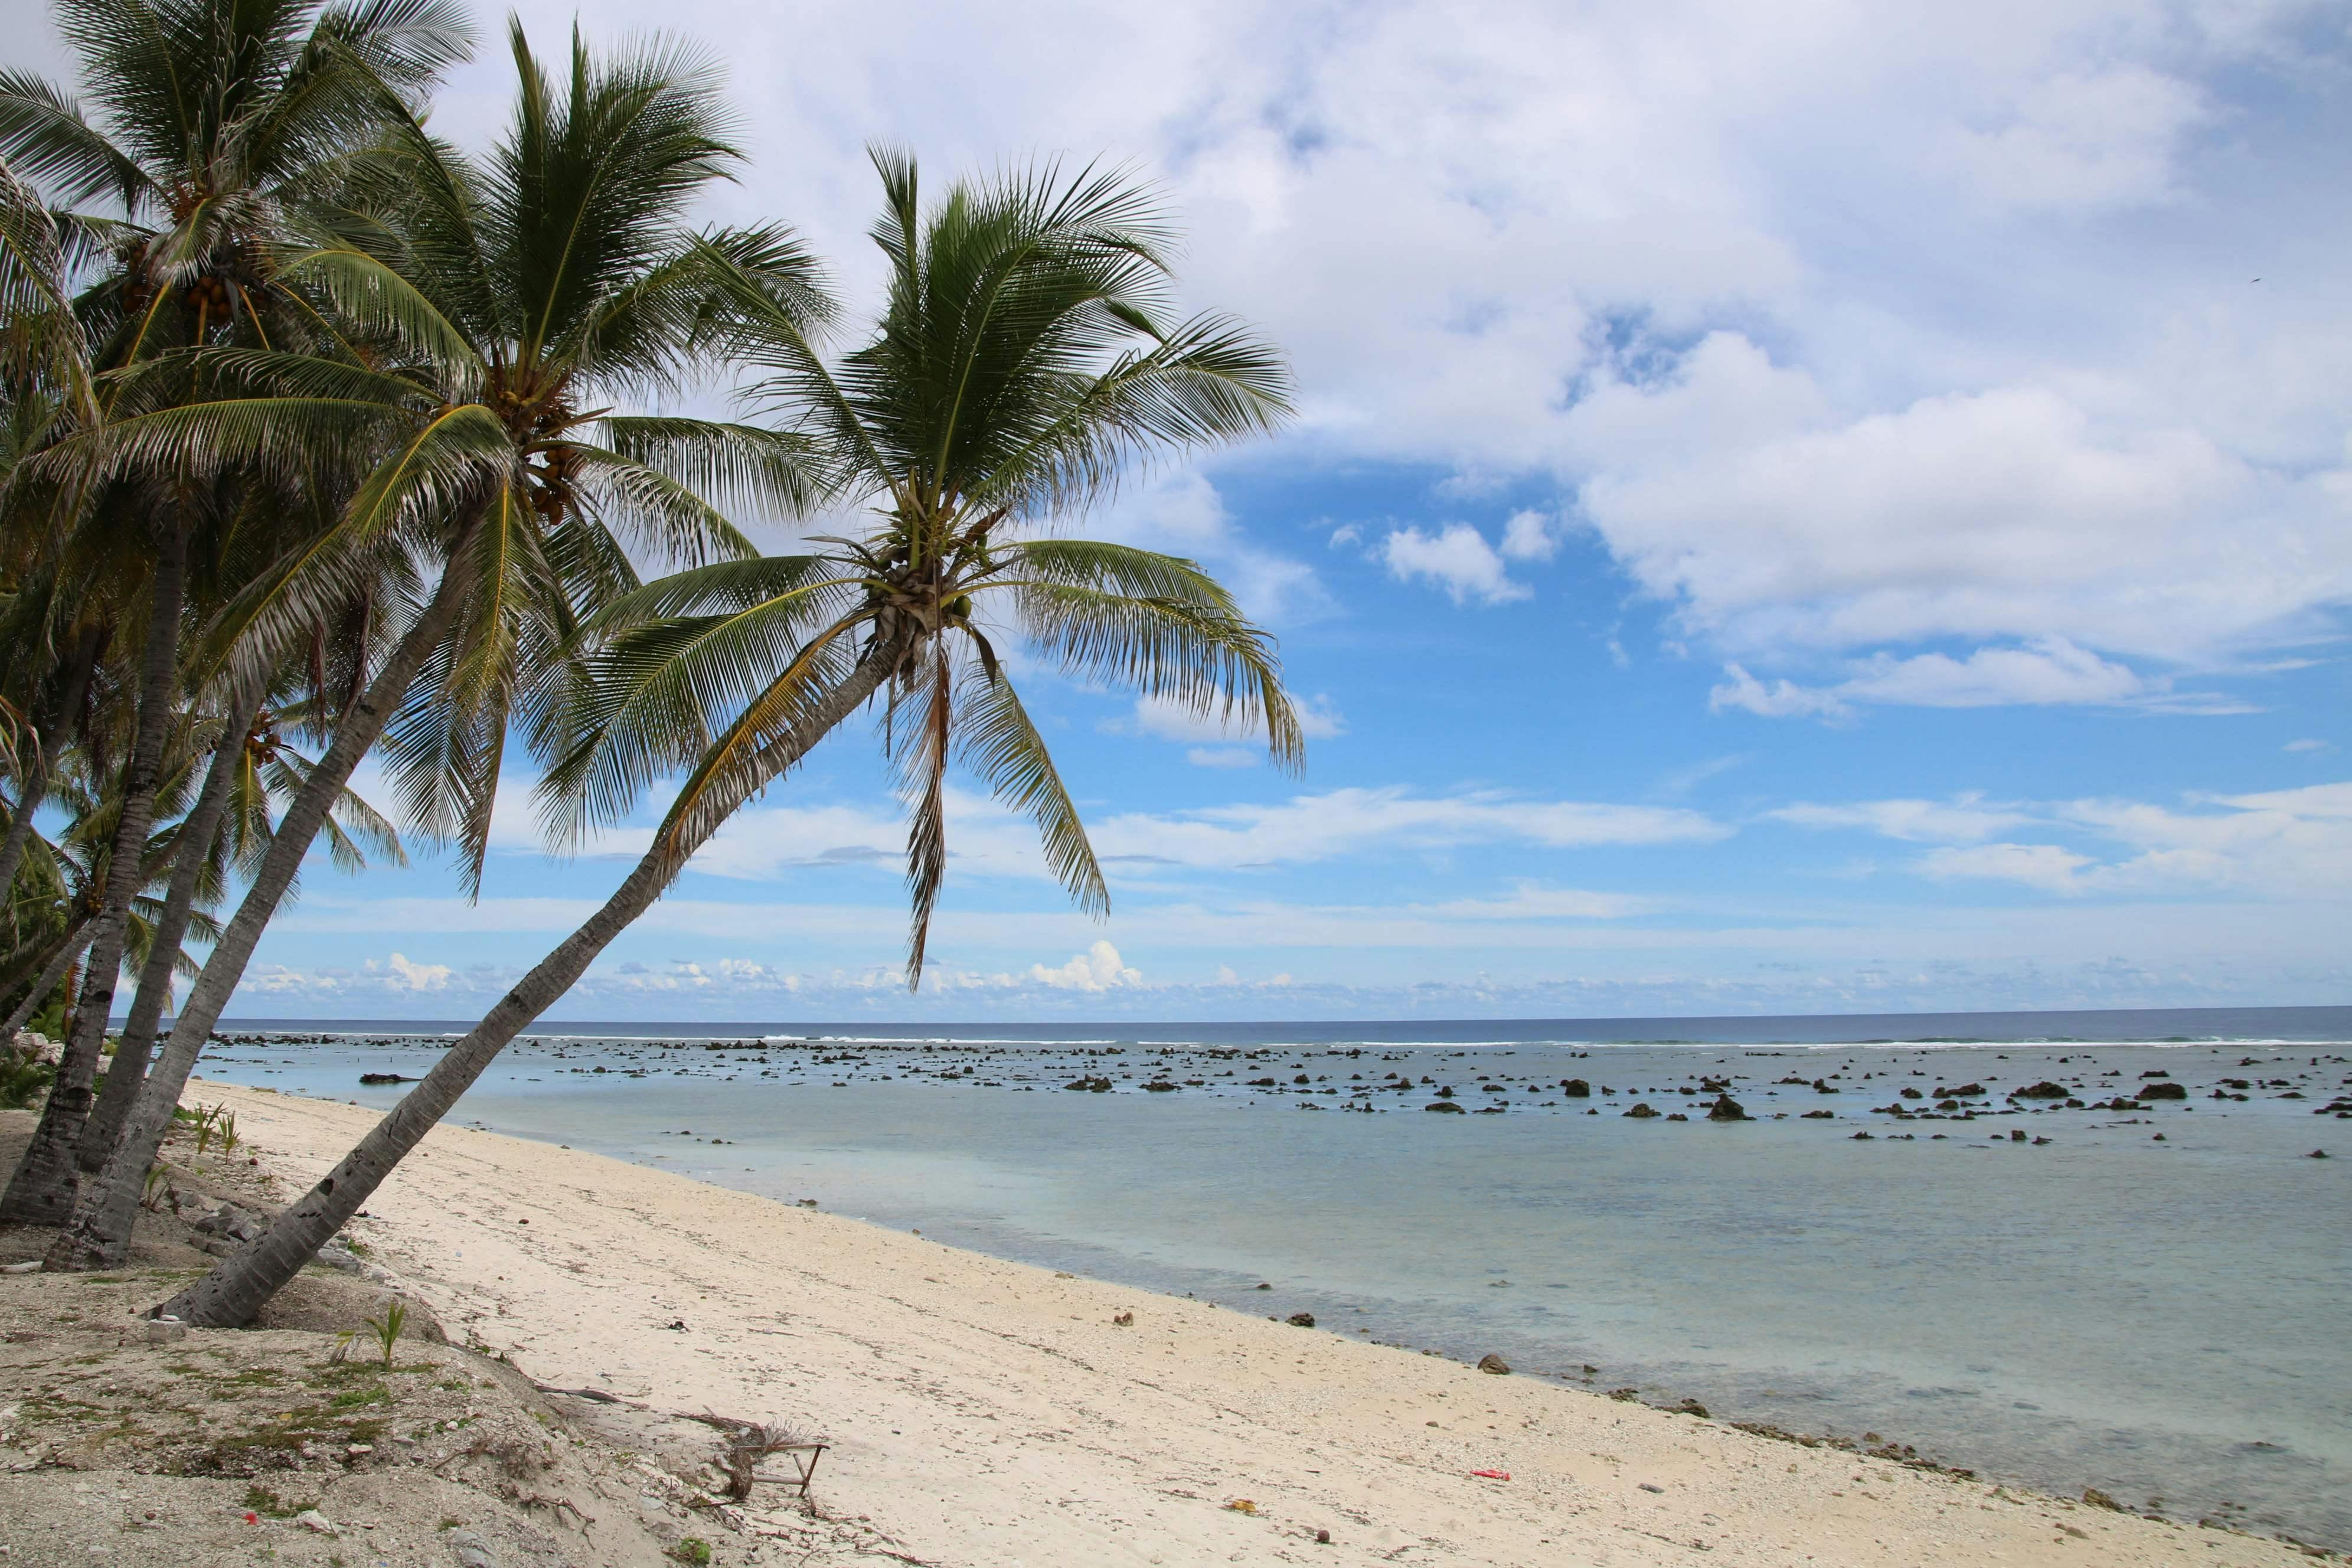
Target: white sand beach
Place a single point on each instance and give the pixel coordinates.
(987, 1413)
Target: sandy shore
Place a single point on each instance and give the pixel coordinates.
(986, 1413)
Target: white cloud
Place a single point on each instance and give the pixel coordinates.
(1739, 494)
(2294, 843)
(1314, 827)
(2305, 745)
(2077, 142)
(1456, 558)
(759, 842)
(1781, 698)
(1181, 513)
(1099, 968)
(1220, 757)
(1530, 901)
(417, 977)
(1165, 719)
(1530, 536)
(2042, 866)
(1522, 243)
(2049, 671)
(1682, 781)
(1965, 819)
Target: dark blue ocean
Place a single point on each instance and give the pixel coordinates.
(2134, 1276)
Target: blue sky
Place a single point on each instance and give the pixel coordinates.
(1819, 506)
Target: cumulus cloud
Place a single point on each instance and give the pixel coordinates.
(1529, 244)
(1781, 698)
(2077, 142)
(1455, 558)
(1530, 536)
(1099, 968)
(416, 977)
(1739, 494)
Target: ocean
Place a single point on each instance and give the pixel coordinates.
(2134, 1278)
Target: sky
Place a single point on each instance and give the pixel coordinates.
(1824, 506)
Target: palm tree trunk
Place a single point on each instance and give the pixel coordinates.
(100, 1234)
(238, 1286)
(197, 831)
(37, 777)
(42, 1191)
(61, 959)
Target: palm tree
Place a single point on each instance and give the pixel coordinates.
(1023, 362)
(225, 117)
(254, 769)
(65, 880)
(497, 310)
(44, 377)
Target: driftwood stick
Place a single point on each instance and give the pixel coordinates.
(749, 1442)
(597, 1394)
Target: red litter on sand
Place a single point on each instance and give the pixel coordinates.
(1493, 1475)
(253, 1518)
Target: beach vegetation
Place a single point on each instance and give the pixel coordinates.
(260, 1500)
(24, 1079)
(389, 1327)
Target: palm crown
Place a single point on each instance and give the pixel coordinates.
(1025, 360)
(485, 310)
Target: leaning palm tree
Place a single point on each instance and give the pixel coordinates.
(254, 770)
(499, 309)
(1025, 359)
(67, 878)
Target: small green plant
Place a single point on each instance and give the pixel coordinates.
(228, 1131)
(207, 1115)
(262, 1500)
(23, 1080)
(152, 1190)
(388, 1328)
(693, 1549)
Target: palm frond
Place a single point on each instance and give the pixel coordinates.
(998, 741)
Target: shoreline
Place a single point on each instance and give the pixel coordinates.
(992, 1412)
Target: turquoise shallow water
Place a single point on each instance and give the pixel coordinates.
(2162, 1317)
